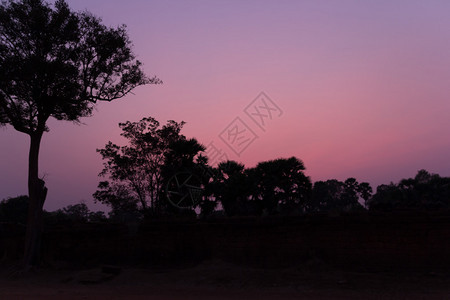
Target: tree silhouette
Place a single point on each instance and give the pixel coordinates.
(274, 186)
(138, 172)
(57, 63)
(335, 195)
(387, 197)
(229, 186)
(135, 170)
(119, 198)
(365, 192)
(14, 210)
(77, 212)
(325, 193)
(282, 184)
(72, 214)
(182, 173)
(423, 192)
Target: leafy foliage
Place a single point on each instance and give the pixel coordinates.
(334, 195)
(14, 210)
(76, 213)
(138, 172)
(230, 187)
(56, 62)
(272, 186)
(282, 185)
(424, 192)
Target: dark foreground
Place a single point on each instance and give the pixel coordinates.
(215, 279)
(366, 256)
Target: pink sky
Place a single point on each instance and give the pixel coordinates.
(364, 88)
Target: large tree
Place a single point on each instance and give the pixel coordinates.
(138, 172)
(282, 185)
(58, 63)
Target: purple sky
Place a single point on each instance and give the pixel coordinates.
(364, 88)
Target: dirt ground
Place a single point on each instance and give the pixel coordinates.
(222, 280)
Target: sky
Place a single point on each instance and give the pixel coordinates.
(352, 88)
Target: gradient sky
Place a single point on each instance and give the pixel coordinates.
(364, 87)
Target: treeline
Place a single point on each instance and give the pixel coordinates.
(423, 192)
(160, 173)
(141, 175)
(269, 188)
(15, 210)
(280, 187)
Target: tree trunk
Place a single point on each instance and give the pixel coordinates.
(37, 193)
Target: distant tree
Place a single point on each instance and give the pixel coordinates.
(326, 195)
(77, 212)
(80, 213)
(57, 63)
(349, 199)
(56, 217)
(138, 172)
(278, 185)
(14, 210)
(229, 187)
(365, 192)
(335, 195)
(207, 174)
(97, 216)
(282, 185)
(386, 198)
(423, 192)
(118, 197)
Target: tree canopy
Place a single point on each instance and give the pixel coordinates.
(423, 192)
(274, 186)
(138, 172)
(58, 63)
(335, 195)
(14, 210)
